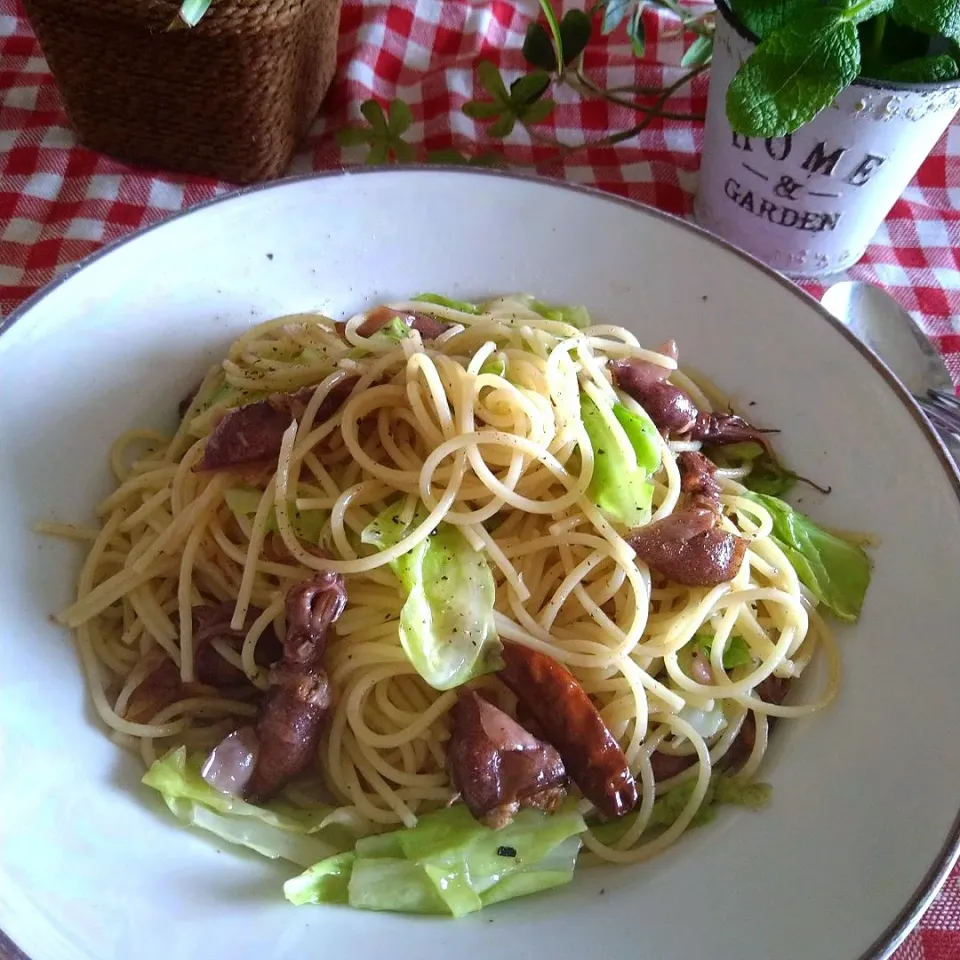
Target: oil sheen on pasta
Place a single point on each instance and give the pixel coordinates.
(480, 428)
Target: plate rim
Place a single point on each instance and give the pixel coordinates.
(907, 918)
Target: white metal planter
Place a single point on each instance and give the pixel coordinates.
(809, 203)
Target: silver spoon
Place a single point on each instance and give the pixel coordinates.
(884, 326)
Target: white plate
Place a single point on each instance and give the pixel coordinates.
(864, 814)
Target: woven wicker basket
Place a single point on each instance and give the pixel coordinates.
(229, 98)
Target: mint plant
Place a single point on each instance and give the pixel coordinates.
(811, 50)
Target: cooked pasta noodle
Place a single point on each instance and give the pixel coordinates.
(438, 428)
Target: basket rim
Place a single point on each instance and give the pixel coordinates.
(157, 17)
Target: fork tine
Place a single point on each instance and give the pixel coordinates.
(941, 418)
(934, 409)
(945, 399)
(942, 428)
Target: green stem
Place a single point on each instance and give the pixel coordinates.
(554, 25)
(879, 28)
(565, 149)
(694, 21)
(638, 89)
(608, 141)
(589, 87)
(852, 13)
(662, 94)
(616, 138)
(686, 78)
(703, 24)
(675, 9)
(583, 84)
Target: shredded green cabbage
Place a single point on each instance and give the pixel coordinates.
(308, 525)
(446, 624)
(441, 301)
(448, 864)
(835, 571)
(276, 830)
(621, 487)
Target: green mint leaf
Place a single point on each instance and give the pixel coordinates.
(538, 48)
(762, 17)
(637, 32)
(373, 114)
(528, 89)
(537, 112)
(492, 82)
(614, 13)
(932, 69)
(698, 53)
(482, 109)
(859, 11)
(399, 117)
(575, 30)
(794, 73)
(930, 16)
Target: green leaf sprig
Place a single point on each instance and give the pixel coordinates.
(558, 46)
(523, 103)
(383, 137)
(811, 50)
(554, 49)
(383, 133)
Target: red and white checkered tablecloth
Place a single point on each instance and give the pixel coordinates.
(59, 201)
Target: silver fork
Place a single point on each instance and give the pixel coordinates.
(942, 410)
(880, 322)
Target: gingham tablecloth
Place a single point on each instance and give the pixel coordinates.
(59, 201)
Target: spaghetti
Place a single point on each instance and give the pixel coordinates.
(480, 428)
